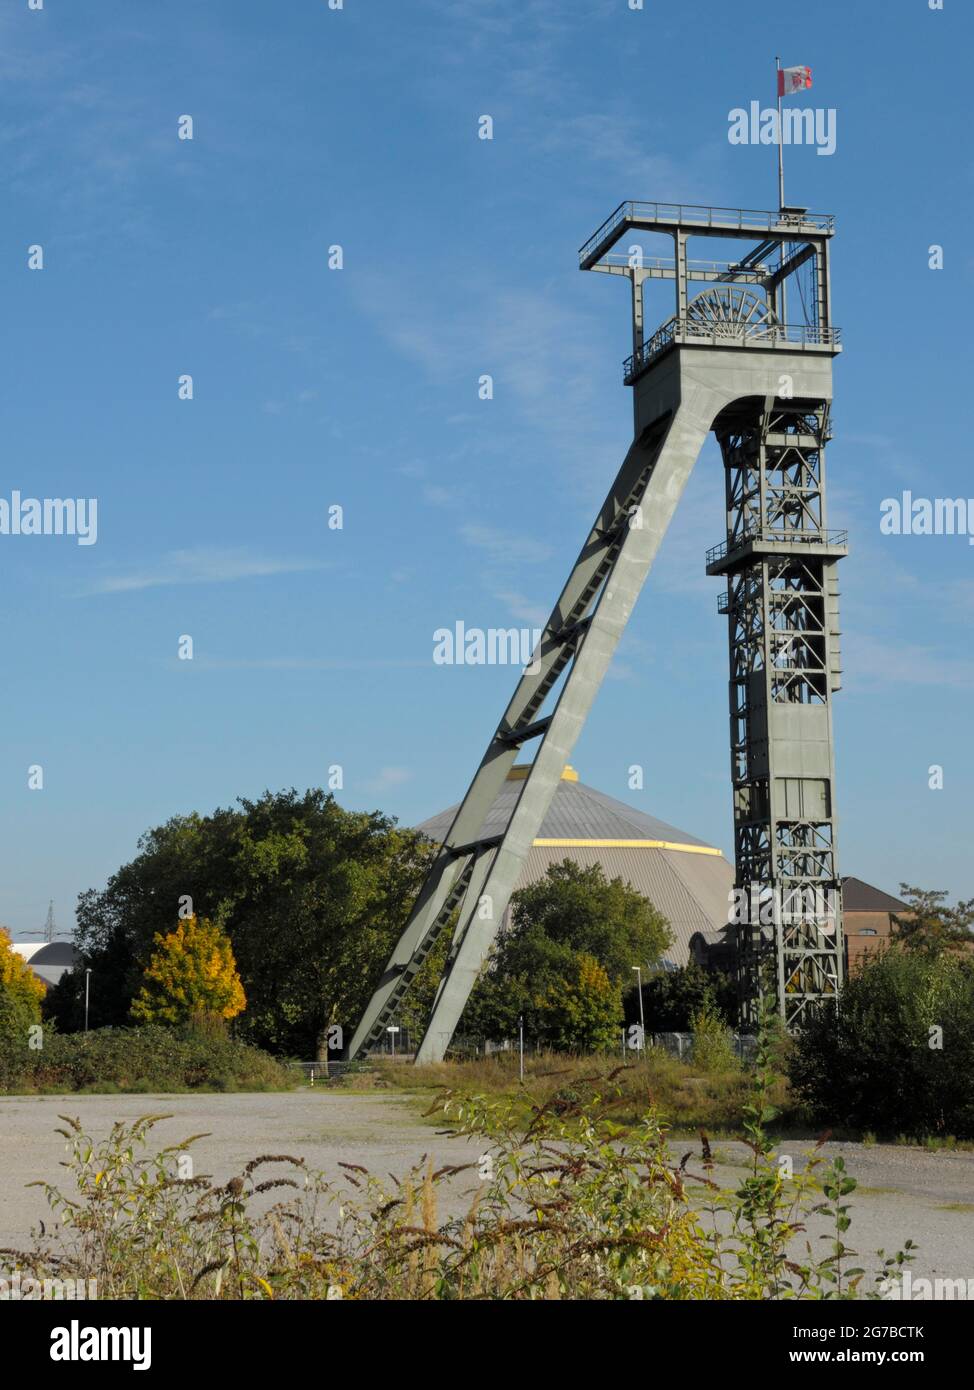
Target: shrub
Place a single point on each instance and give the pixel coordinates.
(713, 1050)
(143, 1059)
(899, 1057)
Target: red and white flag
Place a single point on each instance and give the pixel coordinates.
(793, 80)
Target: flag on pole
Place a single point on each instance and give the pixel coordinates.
(793, 80)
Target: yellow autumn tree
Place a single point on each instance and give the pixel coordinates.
(192, 973)
(16, 975)
(21, 992)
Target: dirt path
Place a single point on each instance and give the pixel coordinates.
(382, 1132)
(903, 1193)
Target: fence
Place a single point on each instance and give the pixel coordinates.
(464, 1047)
(676, 1044)
(681, 1044)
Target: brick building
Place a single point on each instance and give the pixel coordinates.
(867, 914)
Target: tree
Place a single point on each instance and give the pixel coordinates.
(582, 1011)
(931, 926)
(672, 997)
(312, 897)
(574, 911)
(192, 972)
(21, 992)
(575, 905)
(16, 977)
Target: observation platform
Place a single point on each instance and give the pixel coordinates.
(797, 337)
(790, 224)
(743, 550)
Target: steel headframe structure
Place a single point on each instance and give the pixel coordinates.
(727, 361)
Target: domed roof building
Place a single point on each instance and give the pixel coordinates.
(49, 960)
(686, 879)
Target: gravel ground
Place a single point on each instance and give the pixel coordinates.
(903, 1192)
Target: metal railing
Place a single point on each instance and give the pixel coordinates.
(676, 1044)
(692, 331)
(719, 552)
(692, 214)
(680, 1045)
(624, 259)
(318, 1073)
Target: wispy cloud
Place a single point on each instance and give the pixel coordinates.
(303, 663)
(388, 777)
(438, 496)
(200, 566)
(523, 609)
(506, 554)
(875, 664)
(504, 547)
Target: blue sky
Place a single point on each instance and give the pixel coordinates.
(359, 387)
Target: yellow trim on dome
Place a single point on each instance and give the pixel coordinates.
(625, 844)
(520, 770)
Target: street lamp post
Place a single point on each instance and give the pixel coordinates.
(642, 1021)
(87, 983)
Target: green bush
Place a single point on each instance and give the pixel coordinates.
(671, 998)
(899, 1058)
(713, 1050)
(16, 1018)
(140, 1059)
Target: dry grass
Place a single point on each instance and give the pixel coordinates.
(578, 1205)
(683, 1097)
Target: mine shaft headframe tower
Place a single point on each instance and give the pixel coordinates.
(779, 560)
(726, 361)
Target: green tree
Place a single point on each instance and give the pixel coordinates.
(312, 897)
(573, 911)
(582, 1012)
(930, 925)
(192, 973)
(672, 997)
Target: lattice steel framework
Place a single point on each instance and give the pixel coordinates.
(782, 607)
(726, 360)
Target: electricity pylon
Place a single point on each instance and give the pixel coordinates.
(49, 930)
(725, 362)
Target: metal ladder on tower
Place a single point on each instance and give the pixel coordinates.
(474, 873)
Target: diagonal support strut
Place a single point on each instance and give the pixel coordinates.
(475, 877)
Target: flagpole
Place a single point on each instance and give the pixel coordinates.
(782, 291)
(781, 143)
